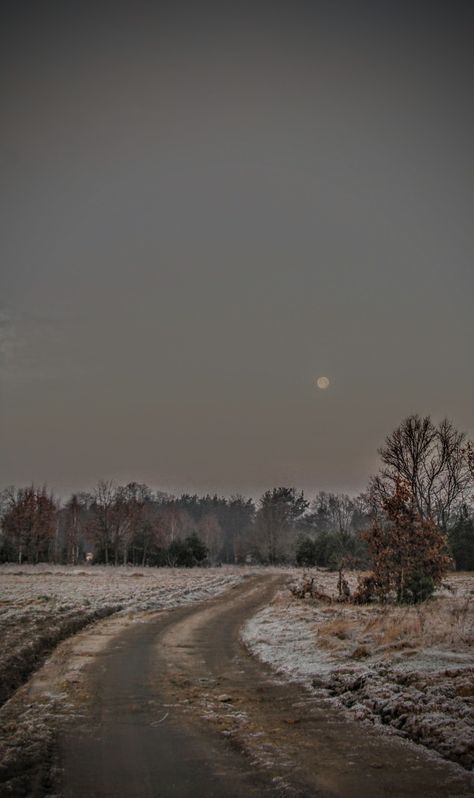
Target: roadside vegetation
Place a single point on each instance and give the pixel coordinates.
(433, 464)
(403, 667)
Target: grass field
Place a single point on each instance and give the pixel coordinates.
(42, 605)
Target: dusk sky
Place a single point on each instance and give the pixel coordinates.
(204, 208)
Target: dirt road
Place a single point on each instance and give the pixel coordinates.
(175, 706)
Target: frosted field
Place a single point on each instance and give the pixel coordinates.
(409, 669)
(41, 605)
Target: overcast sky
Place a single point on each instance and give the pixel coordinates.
(203, 209)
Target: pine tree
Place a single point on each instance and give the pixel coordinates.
(461, 541)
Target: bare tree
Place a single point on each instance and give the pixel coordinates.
(132, 500)
(210, 532)
(74, 527)
(431, 460)
(276, 520)
(29, 523)
(151, 532)
(102, 520)
(332, 512)
(120, 522)
(176, 523)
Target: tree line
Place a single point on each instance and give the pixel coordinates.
(425, 483)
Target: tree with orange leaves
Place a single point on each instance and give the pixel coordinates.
(408, 552)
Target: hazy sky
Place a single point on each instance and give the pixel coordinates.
(204, 207)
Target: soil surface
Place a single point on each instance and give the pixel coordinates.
(174, 705)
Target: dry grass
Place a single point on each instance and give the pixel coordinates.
(340, 628)
(410, 668)
(446, 622)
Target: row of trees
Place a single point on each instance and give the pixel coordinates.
(429, 468)
(121, 524)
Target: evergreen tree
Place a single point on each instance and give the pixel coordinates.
(461, 541)
(306, 552)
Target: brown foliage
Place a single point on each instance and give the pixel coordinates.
(307, 589)
(403, 546)
(29, 523)
(343, 588)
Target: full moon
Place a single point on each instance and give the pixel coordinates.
(322, 383)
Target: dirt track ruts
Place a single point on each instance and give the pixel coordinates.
(177, 707)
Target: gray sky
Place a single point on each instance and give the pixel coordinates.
(202, 210)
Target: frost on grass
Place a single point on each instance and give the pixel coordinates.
(42, 605)
(39, 606)
(410, 669)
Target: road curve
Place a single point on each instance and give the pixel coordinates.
(176, 707)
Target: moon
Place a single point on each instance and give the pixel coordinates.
(322, 383)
